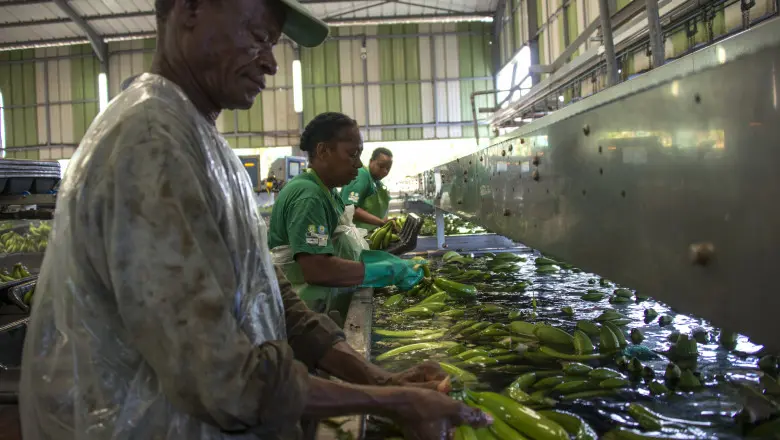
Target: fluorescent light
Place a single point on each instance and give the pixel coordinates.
(297, 86)
(2, 126)
(102, 92)
(433, 19)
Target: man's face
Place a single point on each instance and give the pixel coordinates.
(228, 46)
(342, 156)
(380, 167)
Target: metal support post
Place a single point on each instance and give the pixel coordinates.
(440, 243)
(656, 34)
(609, 45)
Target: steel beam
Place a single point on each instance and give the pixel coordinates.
(352, 10)
(98, 45)
(608, 42)
(87, 18)
(143, 35)
(656, 33)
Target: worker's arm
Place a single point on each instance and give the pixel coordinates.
(330, 271)
(319, 342)
(174, 281)
(361, 215)
(309, 233)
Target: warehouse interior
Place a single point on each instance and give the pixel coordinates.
(568, 158)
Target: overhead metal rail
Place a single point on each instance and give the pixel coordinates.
(679, 13)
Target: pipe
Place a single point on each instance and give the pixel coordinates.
(609, 44)
(474, 108)
(656, 34)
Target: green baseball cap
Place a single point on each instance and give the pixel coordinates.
(302, 27)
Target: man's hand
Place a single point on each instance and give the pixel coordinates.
(429, 415)
(425, 375)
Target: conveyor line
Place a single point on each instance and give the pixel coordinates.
(667, 183)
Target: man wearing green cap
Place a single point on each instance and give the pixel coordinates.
(158, 313)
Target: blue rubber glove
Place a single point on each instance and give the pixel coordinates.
(383, 269)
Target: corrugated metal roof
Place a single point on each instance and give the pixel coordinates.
(42, 22)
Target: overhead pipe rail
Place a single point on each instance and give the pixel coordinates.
(590, 62)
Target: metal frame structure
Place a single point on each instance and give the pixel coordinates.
(593, 64)
(689, 222)
(277, 133)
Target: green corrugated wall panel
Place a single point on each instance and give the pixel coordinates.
(320, 66)
(571, 18)
(17, 82)
(306, 78)
(30, 113)
(77, 94)
(17, 132)
(474, 59)
(332, 76)
(413, 91)
(5, 89)
(84, 73)
(149, 44)
(679, 42)
(719, 23)
(620, 4)
(386, 74)
(399, 90)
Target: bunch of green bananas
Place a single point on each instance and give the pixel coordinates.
(34, 240)
(17, 273)
(382, 237)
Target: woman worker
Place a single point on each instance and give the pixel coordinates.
(368, 194)
(309, 231)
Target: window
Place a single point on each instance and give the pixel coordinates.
(515, 71)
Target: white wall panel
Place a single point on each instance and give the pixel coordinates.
(374, 94)
(452, 70)
(426, 89)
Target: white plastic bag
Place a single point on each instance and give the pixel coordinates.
(348, 239)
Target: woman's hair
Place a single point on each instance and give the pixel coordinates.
(379, 151)
(324, 128)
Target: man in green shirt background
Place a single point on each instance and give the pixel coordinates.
(368, 193)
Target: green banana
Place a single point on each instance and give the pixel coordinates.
(608, 340)
(588, 327)
(572, 423)
(570, 357)
(618, 333)
(422, 346)
(455, 289)
(582, 343)
(552, 335)
(525, 420)
(458, 373)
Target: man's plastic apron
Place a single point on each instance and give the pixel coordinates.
(347, 244)
(377, 203)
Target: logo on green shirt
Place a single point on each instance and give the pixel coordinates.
(316, 236)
